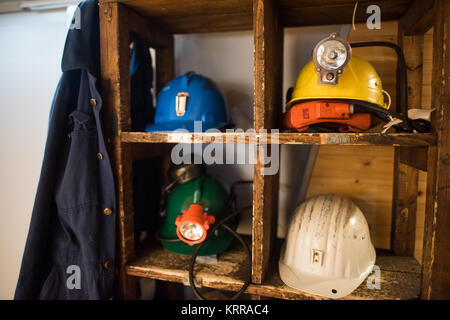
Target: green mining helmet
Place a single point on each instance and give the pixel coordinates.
(194, 203)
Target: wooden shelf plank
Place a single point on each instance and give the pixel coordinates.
(196, 16)
(296, 13)
(389, 139)
(188, 137)
(153, 261)
(400, 276)
(232, 15)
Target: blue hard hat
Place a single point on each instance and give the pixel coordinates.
(188, 98)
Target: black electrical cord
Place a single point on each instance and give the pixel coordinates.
(199, 246)
(402, 80)
(163, 239)
(384, 114)
(402, 89)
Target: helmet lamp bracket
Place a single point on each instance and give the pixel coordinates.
(181, 103)
(329, 71)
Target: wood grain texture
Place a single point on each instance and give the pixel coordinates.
(115, 83)
(231, 15)
(404, 207)
(427, 57)
(406, 178)
(305, 13)
(400, 276)
(268, 57)
(165, 64)
(420, 216)
(436, 252)
(360, 139)
(152, 34)
(418, 19)
(196, 16)
(414, 157)
(427, 69)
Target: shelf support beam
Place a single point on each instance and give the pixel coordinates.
(436, 251)
(268, 57)
(115, 83)
(406, 173)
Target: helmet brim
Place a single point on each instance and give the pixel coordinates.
(328, 287)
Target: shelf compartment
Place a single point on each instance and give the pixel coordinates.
(400, 276)
(376, 139)
(400, 280)
(155, 262)
(186, 137)
(196, 16)
(232, 15)
(388, 139)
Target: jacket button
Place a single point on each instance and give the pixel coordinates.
(100, 156)
(93, 102)
(108, 264)
(107, 211)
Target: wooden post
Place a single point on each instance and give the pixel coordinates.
(436, 251)
(115, 66)
(404, 207)
(406, 178)
(268, 55)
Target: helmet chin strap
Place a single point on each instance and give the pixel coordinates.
(389, 98)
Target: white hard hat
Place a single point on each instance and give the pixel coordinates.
(328, 251)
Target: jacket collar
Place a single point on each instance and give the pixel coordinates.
(82, 48)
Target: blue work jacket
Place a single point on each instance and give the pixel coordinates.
(70, 249)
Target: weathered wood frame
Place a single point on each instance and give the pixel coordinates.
(435, 159)
(116, 24)
(428, 152)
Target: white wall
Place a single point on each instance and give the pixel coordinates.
(31, 46)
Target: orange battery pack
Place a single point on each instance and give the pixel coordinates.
(331, 114)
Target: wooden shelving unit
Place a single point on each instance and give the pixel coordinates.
(157, 21)
(355, 139)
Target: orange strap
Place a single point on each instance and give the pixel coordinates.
(332, 114)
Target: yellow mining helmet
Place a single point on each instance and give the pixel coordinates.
(334, 74)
